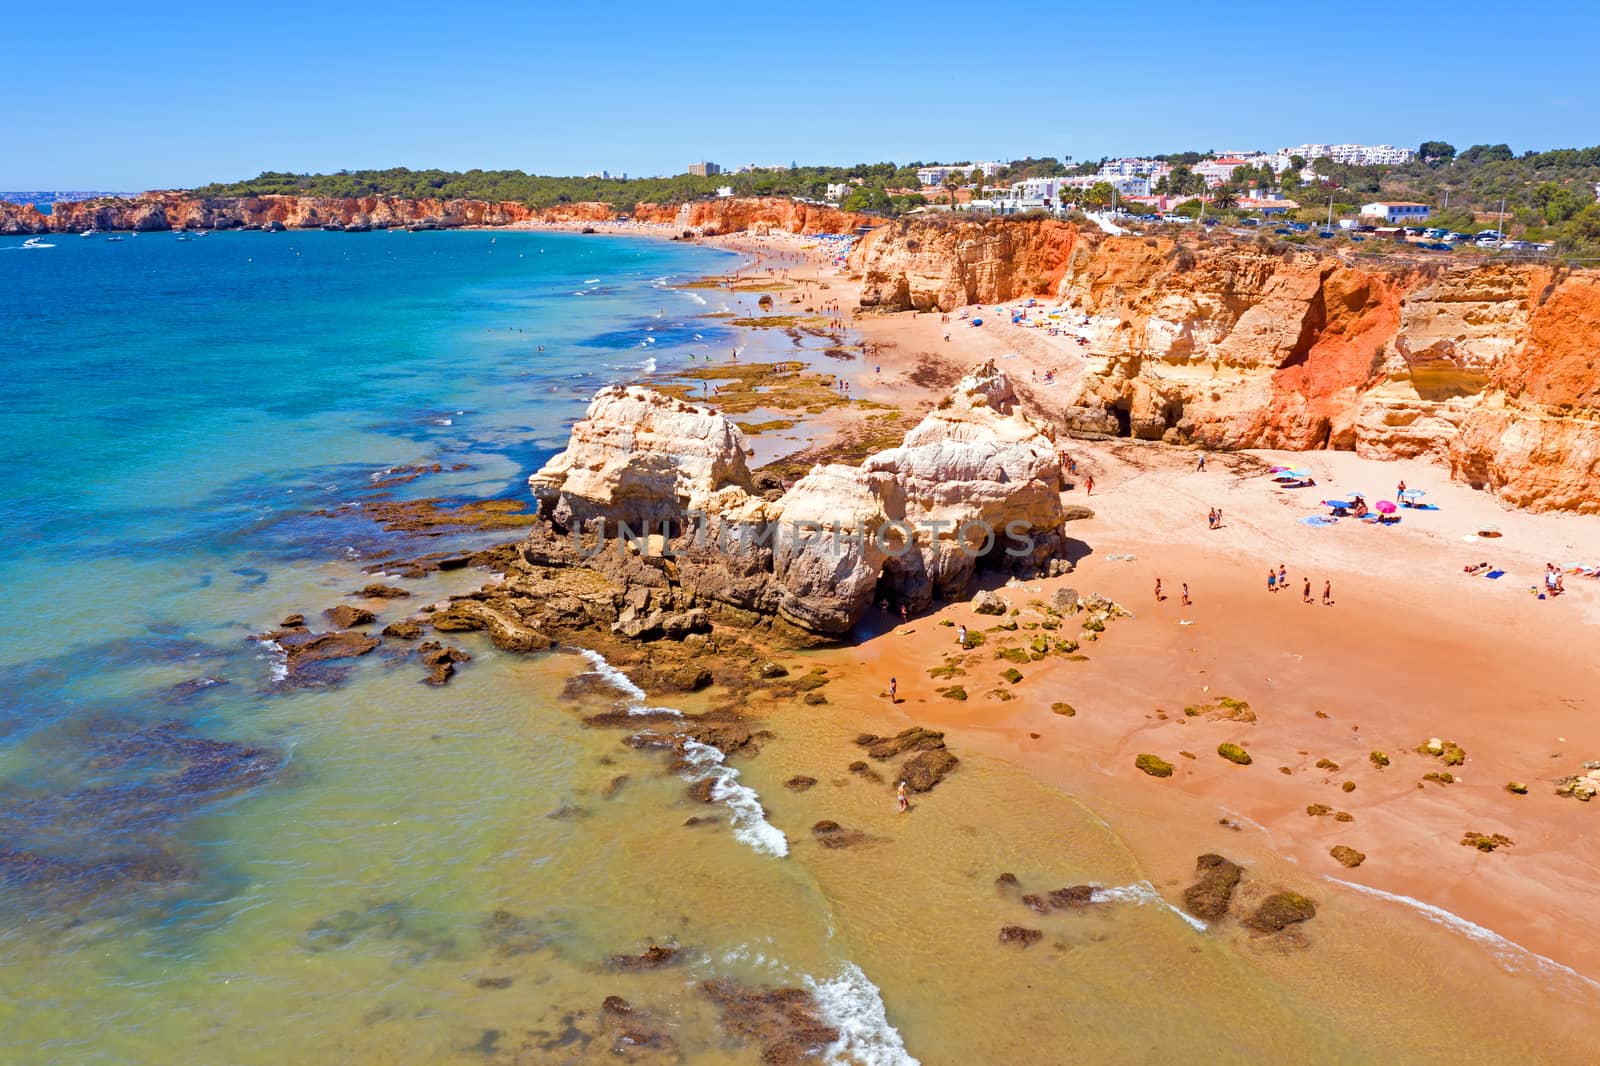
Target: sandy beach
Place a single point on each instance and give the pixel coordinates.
(1410, 649)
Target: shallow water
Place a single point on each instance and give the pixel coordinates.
(380, 871)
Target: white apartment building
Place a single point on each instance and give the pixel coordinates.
(1218, 171)
(1358, 155)
(937, 174)
(1125, 184)
(1122, 168)
(838, 191)
(1396, 211)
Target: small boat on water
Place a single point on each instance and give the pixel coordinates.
(184, 237)
(35, 243)
(90, 232)
(112, 240)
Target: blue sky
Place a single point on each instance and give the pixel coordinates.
(130, 97)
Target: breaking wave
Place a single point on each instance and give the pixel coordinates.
(750, 825)
(1507, 951)
(1141, 893)
(852, 1004)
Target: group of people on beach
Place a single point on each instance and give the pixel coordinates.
(1278, 580)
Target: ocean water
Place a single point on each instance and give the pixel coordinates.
(201, 863)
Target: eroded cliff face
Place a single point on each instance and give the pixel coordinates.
(167, 210)
(939, 265)
(751, 214)
(1488, 369)
(172, 210)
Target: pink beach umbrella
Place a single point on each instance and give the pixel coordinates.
(1386, 507)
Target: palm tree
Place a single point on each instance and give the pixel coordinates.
(951, 184)
(1224, 198)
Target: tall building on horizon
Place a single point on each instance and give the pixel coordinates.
(704, 169)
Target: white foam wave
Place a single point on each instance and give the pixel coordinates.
(591, 281)
(649, 365)
(1141, 893)
(280, 660)
(697, 298)
(853, 1005)
(636, 697)
(1507, 951)
(750, 825)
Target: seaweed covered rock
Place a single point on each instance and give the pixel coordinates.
(1347, 856)
(1234, 753)
(785, 1023)
(1020, 936)
(916, 738)
(922, 772)
(1208, 898)
(832, 835)
(1281, 910)
(1154, 765)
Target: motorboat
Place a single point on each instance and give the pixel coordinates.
(34, 243)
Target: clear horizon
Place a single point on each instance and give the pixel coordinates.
(207, 95)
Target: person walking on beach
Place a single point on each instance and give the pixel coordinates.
(1305, 595)
(891, 690)
(1327, 593)
(1088, 485)
(1186, 594)
(1158, 590)
(1200, 466)
(1272, 580)
(900, 798)
(961, 635)
(1283, 576)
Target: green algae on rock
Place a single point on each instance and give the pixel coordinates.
(1234, 753)
(1154, 765)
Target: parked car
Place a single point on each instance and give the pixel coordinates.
(1357, 237)
(1299, 227)
(1282, 230)
(1249, 222)
(1366, 227)
(1435, 246)
(1210, 222)
(1435, 234)
(1325, 234)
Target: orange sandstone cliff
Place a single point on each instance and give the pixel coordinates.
(1486, 368)
(176, 210)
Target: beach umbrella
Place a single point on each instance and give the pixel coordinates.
(1412, 494)
(1386, 507)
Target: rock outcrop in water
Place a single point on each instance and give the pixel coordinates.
(976, 484)
(1483, 367)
